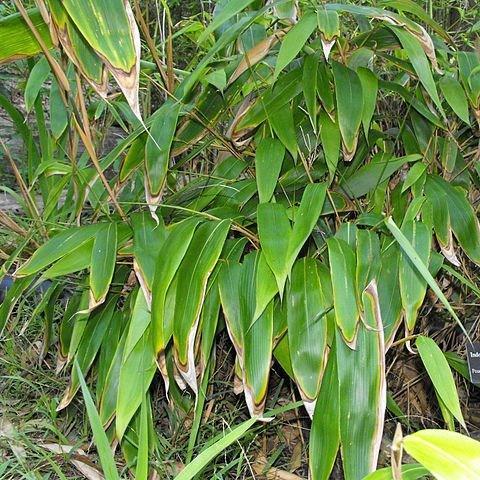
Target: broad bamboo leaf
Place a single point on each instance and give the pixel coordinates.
(139, 322)
(157, 148)
(413, 471)
(16, 39)
(440, 374)
(309, 82)
(463, 219)
(57, 247)
(361, 375)
(343, 271)
(368, 258)
(284, 127)
(133, 159)
(294, 41)
(413, 286)
(325, 433)
(331, 142)
(388, 292)
(104, 254)
(266, 286)
(227, 12)
(307, 330)
(169, 260)
(413, 175)
(329, 26)
(422, 268)
(273, 100)
(37, 77)
(149, 236)
(253, 340)
(197, 265)
(275, 232)
(419, 61)
(268, 163)
(280, 243)
(369, 176)
(369, 83)
(455, 97)
(89, 345)
(78, 259)
(136, 374)
(447, 455)
(58, 111)
(101, 24)
(348, 90)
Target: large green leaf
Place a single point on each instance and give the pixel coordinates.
(268, 163)
(294, 41)
(157, 148)
(447, 455)
(455, 97)
(440, 374)
(197, 265)
(413, 286)
(58, 246)
(348, 90)
(343, 270)
(362, 396)
(17, 40)
(104, 254)
(307, 329)
(325, 433)
(168, 260)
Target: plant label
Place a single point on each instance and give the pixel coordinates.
(473, 359)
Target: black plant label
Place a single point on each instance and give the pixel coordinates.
(473, 358)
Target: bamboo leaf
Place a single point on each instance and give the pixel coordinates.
(331, 142)
(455, 97)
(447, 455)
(369, 83)
(197, 265)
(440, 374)
(104, 254)
(16, 39)
(412, 471)
(329, 26)
(136, 373)
(309, 82)
(58, 246)
(37, 77)
(169, 260)
(361, 375)
(275, 231)
(343, 268)
(268, 163)
(413, 286)
(419, 62)
(157, 148)
(422, 268)
(294, 41)
(348, 90)
(463, 219)
(325, 433)
(101, 25)
(231, 9)
(307, 330)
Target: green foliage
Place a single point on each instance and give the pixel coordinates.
(299, 186)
